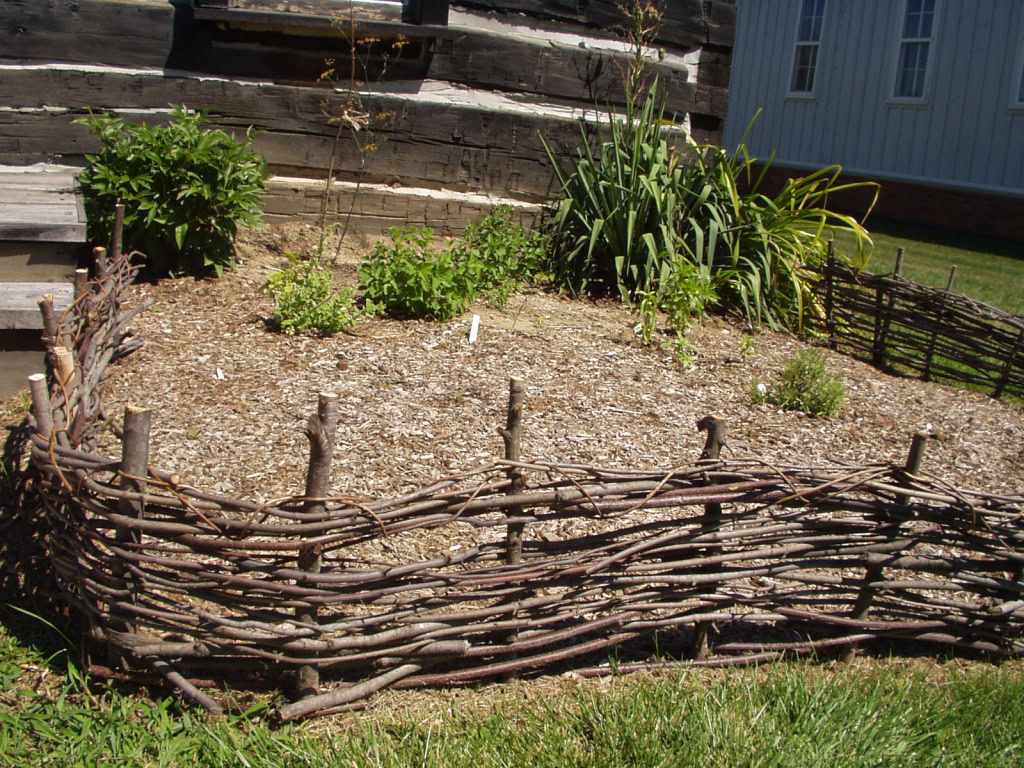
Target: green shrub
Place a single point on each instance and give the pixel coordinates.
(803, 385)
(413, 276)
(305, 300)
(632, 212)
(499, 254)
(185, 190)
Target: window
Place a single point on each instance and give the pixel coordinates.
(808, 38)
(915, 47)
(1018, 94)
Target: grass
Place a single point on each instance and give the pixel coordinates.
(869, 713)
(989, 269)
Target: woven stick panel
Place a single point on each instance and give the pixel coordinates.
(518, 567)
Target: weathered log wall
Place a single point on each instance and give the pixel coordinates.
(460, 107)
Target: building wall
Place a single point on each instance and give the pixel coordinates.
(964, 135)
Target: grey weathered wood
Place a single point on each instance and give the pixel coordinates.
(18, 307)
(40, 204)
(686, 22)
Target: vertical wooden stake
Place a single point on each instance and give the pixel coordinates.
(715, 427)
(512, 435)
(1004, 378)
(50, 326)
(116, 248)
(102, 266)
(134, 473)
(81, 283)
(874, 571)
(898, 269)
(830, 316)
(320, 430)
(41, 405)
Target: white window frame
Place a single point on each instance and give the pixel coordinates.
(1017, 85)
(798, 44)
(930, 41)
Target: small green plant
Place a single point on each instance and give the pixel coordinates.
(413, 276)
(499, 254)
(185, 190)
(306, 302)
(748, 347)
(803, 385)
(647, 308)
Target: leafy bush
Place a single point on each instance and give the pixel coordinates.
(185, 190)
(803, 385)
(499, 254)
(306, 302)
(631, 213)
(412, 276)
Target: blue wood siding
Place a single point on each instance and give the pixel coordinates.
(965, 133)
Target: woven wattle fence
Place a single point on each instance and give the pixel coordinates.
(920, 331)
(522, 567)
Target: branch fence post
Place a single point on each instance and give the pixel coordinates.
(830, 311)
(134, 473)
(715, 427)
(320, 429)
(883, 317)
(512, 437)
(1011, 359)
(874, 571)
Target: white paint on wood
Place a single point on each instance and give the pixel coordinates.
(533, 31)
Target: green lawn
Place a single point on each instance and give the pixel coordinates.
(988, 269)
(869, 713)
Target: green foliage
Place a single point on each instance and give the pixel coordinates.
(500, 255)
(413, 275)
(306, 302)
(803, 385)
(631, 213)
(185, 190)
(748, 347)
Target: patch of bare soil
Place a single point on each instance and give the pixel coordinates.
(418, 400)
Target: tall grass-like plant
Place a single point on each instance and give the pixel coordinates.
(641, 200)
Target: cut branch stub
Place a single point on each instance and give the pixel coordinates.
(320, 429)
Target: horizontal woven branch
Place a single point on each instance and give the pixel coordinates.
(206, 589)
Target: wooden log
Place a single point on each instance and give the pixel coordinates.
(320, 429)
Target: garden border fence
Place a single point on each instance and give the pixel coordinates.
(526, 566)
(917, 330)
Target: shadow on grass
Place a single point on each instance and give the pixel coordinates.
(947, 237)
(31, 601)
